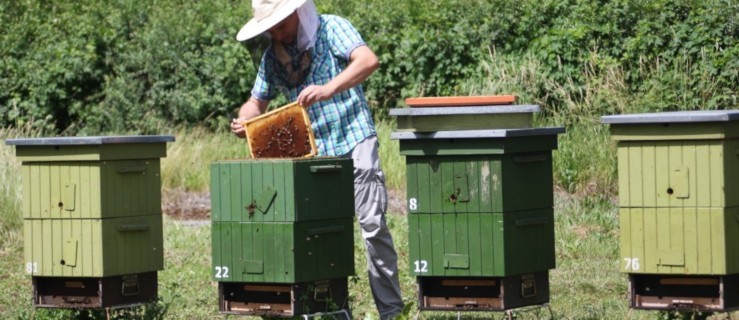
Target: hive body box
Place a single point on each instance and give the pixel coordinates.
(481, 223)
(92, 215)
(678, 202)
(282, 228)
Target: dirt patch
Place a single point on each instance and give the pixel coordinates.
(181, 204)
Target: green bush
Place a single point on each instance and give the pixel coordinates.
(90, 67)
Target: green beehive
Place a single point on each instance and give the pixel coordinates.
(283, 252)
(481, 244)
(280, 190)
(479, 171)
(678, 185)
(282, 220)
(91, 205)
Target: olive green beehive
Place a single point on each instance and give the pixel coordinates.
(678, 185)
(91, 205)
(282, 220)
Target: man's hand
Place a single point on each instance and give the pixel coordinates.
(250, 109)
(313, 94)
(237, 127)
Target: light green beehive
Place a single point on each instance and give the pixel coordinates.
(678, 191)
(91, 205)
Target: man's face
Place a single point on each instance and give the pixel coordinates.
(286, 31)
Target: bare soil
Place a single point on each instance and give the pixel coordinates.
(181, 204)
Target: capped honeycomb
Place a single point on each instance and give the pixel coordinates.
(281, 133)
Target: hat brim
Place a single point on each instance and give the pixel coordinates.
(254, 28)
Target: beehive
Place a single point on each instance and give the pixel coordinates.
(479, 197)
(282, 220)
(281, 133)
(92, 218)
(678, 179)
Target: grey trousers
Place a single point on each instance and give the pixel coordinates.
(370, 199)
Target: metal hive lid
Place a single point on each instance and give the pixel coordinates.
(95, 140)
(673, 117)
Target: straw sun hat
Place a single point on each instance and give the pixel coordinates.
(267, 13)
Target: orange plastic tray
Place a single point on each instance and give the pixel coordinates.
(281, 133)
(460, 101)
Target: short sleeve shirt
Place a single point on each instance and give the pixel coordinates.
(344, 120)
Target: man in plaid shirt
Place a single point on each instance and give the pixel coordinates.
(321, 61)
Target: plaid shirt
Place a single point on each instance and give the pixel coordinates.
(342, 121)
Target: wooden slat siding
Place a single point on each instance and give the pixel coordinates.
(215, 192)
(721, 193)
(225, 232)
(626, 243)
(280, 173)
(712, 168)
(474, 244)
(487, 243)
(237, 192)
(27, 185)
(216, 241)
(494, 243)
(449, 245)
(705, 237)
(412, 183)
(504, 180)
(427, 243)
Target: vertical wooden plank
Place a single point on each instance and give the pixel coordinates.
(53, 235)
(676, 164)
(259, 247)
(489, 252)
(215, 195)
(625, 236)
(94, 187)
(495, 185)
(247, 194)
(643, 238)
(27, 186)
(689, 163)
(412, 184)
(231, 232)
(677, 237)
(285, 175)
(46, 192)
(636, 174)
(268, 171)
(718, 184)
(663, 236)
(730, 182)
(427, 241)
(439, 237)
(474, 240)
(705, 241)
(236, 193)
(414, 240)
(462, 241)
(498, 244)
(55, 176)
(731, 218)
(662, 169)
(96, 246)
(648, 180)
(435, 185)
(461, 181)
(30, 264)
(483, 175)
(272, 252)
(655, 237)
(704, 189)
(718, 241)
(690, 239)
(449, 230)
(215, 241)
(257, 183)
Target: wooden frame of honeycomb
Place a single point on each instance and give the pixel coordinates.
(281, 133)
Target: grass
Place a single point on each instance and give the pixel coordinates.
(585, 284)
